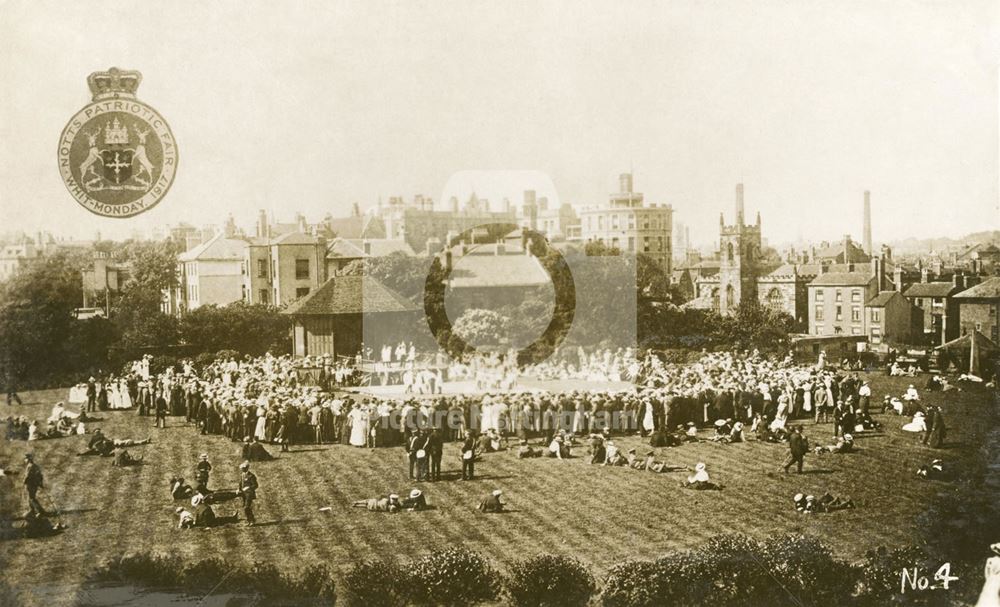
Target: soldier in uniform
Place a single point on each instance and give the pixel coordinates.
(248, 492)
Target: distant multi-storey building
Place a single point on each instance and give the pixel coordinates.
(627, 224)
(979, 309)
(418, 222)
(282, 269)
(13, 257)
(210, 273)
(101, 279)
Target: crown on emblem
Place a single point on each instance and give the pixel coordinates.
(114, 83)
(115, 133)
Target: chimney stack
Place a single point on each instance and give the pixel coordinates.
(739, 204)
(867, 231)
(625, 183)
(366, 245)
(848, 258)
(958, 280)
(924, 275)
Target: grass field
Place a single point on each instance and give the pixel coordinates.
(601, 515)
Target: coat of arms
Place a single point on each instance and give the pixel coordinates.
(117, 155)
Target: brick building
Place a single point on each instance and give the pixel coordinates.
(283, 269)
(979, 308)
(939, 310)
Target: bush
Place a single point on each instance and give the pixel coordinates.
(879, 574)
(376, 583)
(454, 577)
(205, 574)
(203, 360)
(808, 569)
(316, 582)
(227, 354)
(147, 569)
(549, 581)
(636, 584)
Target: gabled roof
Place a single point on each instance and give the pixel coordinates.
(842, 279)
(931, 289)
(880, 300)
(216, 248)
(350, 295)
(988, 289)
(491, 270)
(294, 238)
(354, 247)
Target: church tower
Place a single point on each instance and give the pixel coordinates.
(739, 254)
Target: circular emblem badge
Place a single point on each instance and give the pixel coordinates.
(117, 155)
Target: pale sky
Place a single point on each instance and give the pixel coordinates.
(310, 106)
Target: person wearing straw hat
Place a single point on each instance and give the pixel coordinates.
(201, 472)
(415, 501)
(492, 502)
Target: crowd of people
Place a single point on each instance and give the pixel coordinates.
(268, 400)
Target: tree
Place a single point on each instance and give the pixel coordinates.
(36, 317)
(137, 315)
(252, 329)
(481, 327)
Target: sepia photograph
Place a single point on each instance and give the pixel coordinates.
(526, 304)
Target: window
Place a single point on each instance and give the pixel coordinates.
(937, 301)
(876, 331)
(645, 244)
(819, 329)
(301, 292)
(839, 313)
(856, 295)
(301, 268)
(614, 222)
(855, 330)
(631, 243)
(819, 312)
(993, 333)
(645, 222)
(839, 296)
(855, 313)
(600, 222)
(631, 221)
(876, 315)
(261, 268)
(819, 294)
(659, 242)
(979, 326)
(775, 299)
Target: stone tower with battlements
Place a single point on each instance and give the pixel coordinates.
(739, 254)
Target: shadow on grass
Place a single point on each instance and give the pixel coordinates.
(308, 450)
(289, 521)
(818, 471)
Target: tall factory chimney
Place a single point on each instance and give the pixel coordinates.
(867, 231)
(739, 204)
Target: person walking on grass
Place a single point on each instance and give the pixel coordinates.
(798, 446)
(248, 492)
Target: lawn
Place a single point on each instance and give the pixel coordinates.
(601, 515)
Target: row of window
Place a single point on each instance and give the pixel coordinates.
(839, 313)
(301, 268)
(616, 222)
(856, 295)
(647, 244)
(840, 330)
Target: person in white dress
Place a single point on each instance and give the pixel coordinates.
(259, 431)
(359, 426)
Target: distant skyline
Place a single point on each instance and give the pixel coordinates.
(313, 106)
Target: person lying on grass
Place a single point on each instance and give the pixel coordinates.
(525, 451)
(492, 502)
(124, 458)
(415, 502)
(105, 447)
(201, 515)
(253, 451)
(808, 504)
(700, 480)
(380, 504)
(180, 490)
(845, 444)
(36, 525)
(651, 465)
(935, 471)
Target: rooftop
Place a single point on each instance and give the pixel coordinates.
(988, 289)
(931, 289)
(216, 248)
(350, 295)
(842, 279)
